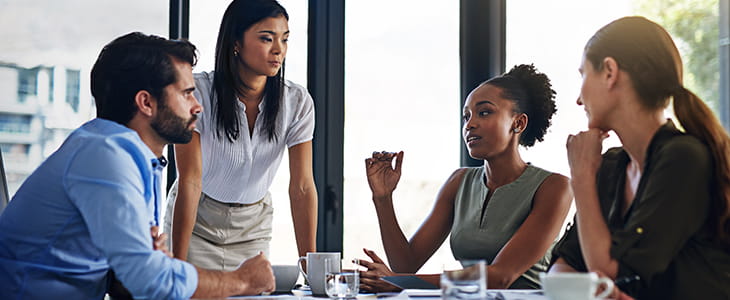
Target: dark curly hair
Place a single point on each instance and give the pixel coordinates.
(533, 95)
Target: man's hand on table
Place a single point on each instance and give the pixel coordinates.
(258, 275)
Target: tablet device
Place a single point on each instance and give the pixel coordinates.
(409, 282)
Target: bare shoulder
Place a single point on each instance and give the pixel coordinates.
(555, 187)
(456, 177)
(449, 188)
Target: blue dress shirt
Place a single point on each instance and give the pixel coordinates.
(86, 209)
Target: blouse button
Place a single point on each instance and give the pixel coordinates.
(639, 230)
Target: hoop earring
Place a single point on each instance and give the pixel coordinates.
(517, 130)
(235, 52)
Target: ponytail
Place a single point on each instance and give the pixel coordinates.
(699, 121)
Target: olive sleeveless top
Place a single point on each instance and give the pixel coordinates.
(479, 233)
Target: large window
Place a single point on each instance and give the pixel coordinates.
(401, 93)
(403, 74)
(205, 18)
(401, 66)
(556, 48)
(47, 52)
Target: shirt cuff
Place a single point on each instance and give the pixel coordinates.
(191, 275)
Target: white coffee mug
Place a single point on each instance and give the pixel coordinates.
(286, 276)
(574, 286)
(316, 268)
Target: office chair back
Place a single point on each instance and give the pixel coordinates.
(4, 198)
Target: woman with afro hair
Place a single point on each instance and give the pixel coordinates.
(506, 212)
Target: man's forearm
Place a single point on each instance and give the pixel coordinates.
(217, 284)
(254, 276)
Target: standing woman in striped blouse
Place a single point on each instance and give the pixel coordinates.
(222, 212)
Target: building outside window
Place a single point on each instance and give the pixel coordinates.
(47, 54)
(73, 88)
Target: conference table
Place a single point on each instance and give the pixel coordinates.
(406, 295)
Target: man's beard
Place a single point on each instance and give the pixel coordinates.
(171, 127)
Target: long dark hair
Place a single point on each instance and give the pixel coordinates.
(646, 51)
(239, 16)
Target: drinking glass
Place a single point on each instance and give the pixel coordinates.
(469, 283)
(314, 275)
(341, 283)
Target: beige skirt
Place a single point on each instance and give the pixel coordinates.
(225, 234)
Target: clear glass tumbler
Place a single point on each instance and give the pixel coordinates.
(469, 283)
(341, 283)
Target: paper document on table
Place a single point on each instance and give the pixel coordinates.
(419, 293)
(274, 297)
(515, 295)
(491, 294)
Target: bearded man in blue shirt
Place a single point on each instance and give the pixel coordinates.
(89, 207)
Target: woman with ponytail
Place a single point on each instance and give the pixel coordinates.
(507, 212)
(652, 214)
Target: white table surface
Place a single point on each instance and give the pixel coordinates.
(408, 295)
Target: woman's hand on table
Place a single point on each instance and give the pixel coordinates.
(370, 280)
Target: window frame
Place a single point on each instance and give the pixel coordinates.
(482, 50)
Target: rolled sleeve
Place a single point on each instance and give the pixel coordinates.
(568, 248)
(203, 85)
(162, 278)
(113, 205)
(674, 205)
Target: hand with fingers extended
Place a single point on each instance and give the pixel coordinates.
(382, 176)
(370, 280)
(159, 241)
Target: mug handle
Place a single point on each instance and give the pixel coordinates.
(299, 265)
(609, 287)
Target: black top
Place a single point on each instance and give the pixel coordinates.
(665, 240)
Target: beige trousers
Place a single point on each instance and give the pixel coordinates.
(226, 235)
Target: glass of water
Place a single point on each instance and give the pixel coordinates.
(469, 283)
(341, 283)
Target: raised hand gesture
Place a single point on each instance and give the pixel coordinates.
(382, 176)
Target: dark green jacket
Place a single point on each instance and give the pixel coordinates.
(664, 243)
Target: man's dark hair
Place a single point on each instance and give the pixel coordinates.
(132, 63)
